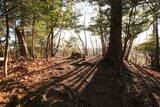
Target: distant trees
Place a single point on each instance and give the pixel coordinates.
(151, 47)
(148, 48)
(37, 26)
(101, 27)
(32, 21)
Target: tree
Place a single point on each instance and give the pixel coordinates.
(114, 54)
(148, 49)
(7, 39)
(22, 42)
(100, 27)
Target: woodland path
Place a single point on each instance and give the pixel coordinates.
(73, 73)
(81, 83)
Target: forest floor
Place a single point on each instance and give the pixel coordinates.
(63, 82)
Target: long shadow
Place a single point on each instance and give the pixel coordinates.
(110, 89)
(39, 71)
(79, 68)
(79, 74)
(84, 79)
(151, 81)
(52, 67)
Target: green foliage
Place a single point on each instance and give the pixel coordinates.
(72, 44)
(148, 46)
(41, 15)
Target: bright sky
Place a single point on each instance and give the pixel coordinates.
(144, 36)
(87, 12)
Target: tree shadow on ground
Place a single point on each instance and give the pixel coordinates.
(125, 89)
(91, 85)
(55, 92)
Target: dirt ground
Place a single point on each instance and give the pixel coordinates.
(63, 82)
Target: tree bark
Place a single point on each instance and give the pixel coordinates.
(128, 36)
(157, 45)
(48, 43)
(21, 40)
(57, 47)
(52, 45)
(7, 41)
(114, 54)
(101, 33)
(103, 46)
(33, 38)
(93, 52)
(126, 55)
(41, 49)
(86, 44)
(82, 43)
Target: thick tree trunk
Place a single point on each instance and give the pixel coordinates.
(21, 40)
(114, 54)
(155, 57)
(157, 45)
(7, 43)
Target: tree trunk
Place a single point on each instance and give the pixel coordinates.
(102, 34)
(97, 50)
(82, 43)
(47, 47)
(21, 40)
(103, 46)
(41, 49)
(92, 45)
(157, 44)
(126, 55)
(53, 50)
(7, 42)
(48, 41)
(49, 44)
(128, 36)
(125, 46)
(86, 44)
(114, 54)
(33, 37)
(57, 47)
(52, 45)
